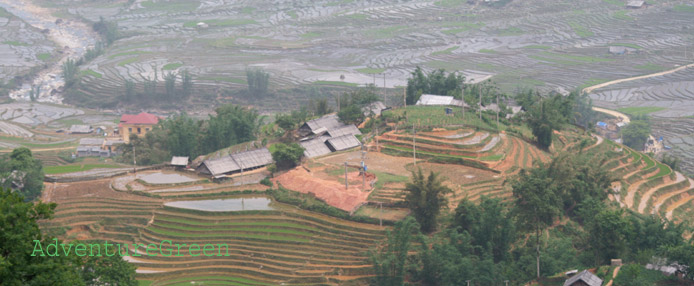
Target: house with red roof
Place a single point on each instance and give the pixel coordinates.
(138, 124)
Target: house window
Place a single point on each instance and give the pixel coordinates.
(139, 130)
(147, 129)
(130, 129)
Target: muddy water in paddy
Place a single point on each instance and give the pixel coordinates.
(167, 178)
(255, 203)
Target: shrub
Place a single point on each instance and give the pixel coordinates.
(266, 182)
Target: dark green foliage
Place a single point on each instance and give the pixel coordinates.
(129, 93)
(69, 72)
(489, 224)
(637, 275)
(170, 84)
(435, 82)
(20, 171)
(389, 261)
(636, 132)
(672, 161)
(108, 270)
(18, 230)
(233, 124)
(319, 107)
(149, 150)
(182, 135)
(108, 30)
(287, 156)
(608, 235)
(425, 196)
(351, 114)
(266, 182)
(186, 84)
(257, 82)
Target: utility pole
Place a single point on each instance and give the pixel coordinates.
(468, 282)
(384, 88)
(346, 181)
(506, 281)
(134, 161)
(414, 146)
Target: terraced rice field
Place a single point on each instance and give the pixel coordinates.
(282, 245)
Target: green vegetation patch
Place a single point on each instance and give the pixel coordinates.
(171, 6)
(4, 13)
(16, 43)
(340, 83)
(338, 3)
(357, 16)
(513, 31)
(292, 14)
(172, 66)
(633, 46)
(449, 3)
(127, 61)
(622, 15)
(89, 72)
(445, 52)
(43, 56)
(311, 35)
(684, 8)
(383, 33)
(640, 110)
(461, 27)
(580, 30)
(650, 67)
(488, 51)
(537, 47)
(76, 168)
(221, 22)
(371, 70)
(614, 2)
(128, 53)
(226, 79)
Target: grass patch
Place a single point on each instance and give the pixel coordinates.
(537, 47)
(43, 56)
(513, 31)
(171, 66)
(578, 58)
(371, 70)
(633, 46)
(16, 43)
(338, 83)
(128, 53)
(650, 67)
(292, 14)
(614, 2)
(357, 16)
(171, 6)
(127, 62)
(581, 31)
(383, 33)
(221, 23)
(384, 178)
(640, 110)
(487, 51)
(592, 82)
(445, 52)
(247, 10)
(4, 13)
(225, 79)
(76, 168)
(449, 3)
(622, 15)
(684, 8)
(338, 3)
(310, 35)
(461, 27)
(89, 72)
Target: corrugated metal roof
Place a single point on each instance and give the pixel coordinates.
(586, 277)
(344, 130)
(221, 165)
(80, 129)
(430, 99)
(91, 141)
(315, 147)
(179, 161)
(253, 159)
(374, 107)
(343, 142)
(329, 122)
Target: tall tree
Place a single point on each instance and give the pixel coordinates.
(425, 196)
(537, 203)
(107, 271)
(490, 226)
(22, 172)
(186, 83)
(435, 82)
(287, 155)
(182, 135)
(69, 72)
(170, 85)
(608, 234)
(258, 81)
(636, 133)
(389, 260)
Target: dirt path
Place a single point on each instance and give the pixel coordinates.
(614, 275)
(665, 197)
(647, 195)
(617, 114)
(597, 86)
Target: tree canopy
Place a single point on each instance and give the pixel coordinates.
(22, 172)
(435, 82)
(425, 196)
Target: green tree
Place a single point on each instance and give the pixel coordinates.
(69, 72)
(182, 135)
(435, 82)
(231, 125)
(18, 232)
(21, 171)
(636, 133)
(107, 30)
(608, 234)
(390, 259)
(631, 275)
(537, 203)
(351, 114)
(425, 196)
(258, 81)
(186, 83)
(170, 84)
(108, 270)
(287, 156)
(490, 226)
(129, 90)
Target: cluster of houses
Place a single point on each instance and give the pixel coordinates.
(138, 124)
(98, 147)
(442, 100)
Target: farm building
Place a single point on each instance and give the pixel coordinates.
(315, 147)
(138, 124)
(584, 278)
(177, 161)
(635, 4)
(233, 163)
(374, 108)
(619, 50)
(430, 99)
(91, 142)
(324, 123)
(343, 142)
(80, 129)
(344, 130)
(112, 144)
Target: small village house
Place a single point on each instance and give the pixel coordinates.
(584, 278)
(138, 124)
